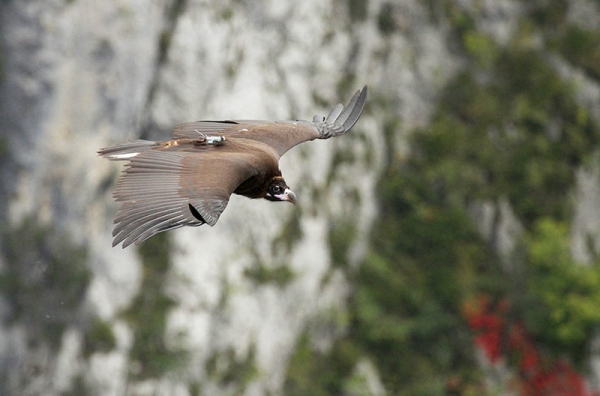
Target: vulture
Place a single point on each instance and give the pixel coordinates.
(187, 181)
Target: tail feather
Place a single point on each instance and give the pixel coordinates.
(126, 151)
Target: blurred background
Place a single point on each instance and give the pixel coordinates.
(448, 245)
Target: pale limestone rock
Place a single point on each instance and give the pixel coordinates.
(84, 74)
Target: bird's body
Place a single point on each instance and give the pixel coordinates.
(188, 180)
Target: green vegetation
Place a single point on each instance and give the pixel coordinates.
(277, 271)
(261, 274)
(164, 43)
(521, 135)
(385, 20)
(358, 10)
(341, 237)
(99, 337)
(576, 44)
(568, 291)
(507, 128)
(426, 258)
(225, 13)
(291, 233)
(4, 144)
(176, 8)
(340, 157)
(580, 47)
(458, 18)
(2, 68)
(229, 371)
(346, 84)
(195, 389)
(78, 388)
(481, 48)
(44, 279)
(148, 313)
(314, 373)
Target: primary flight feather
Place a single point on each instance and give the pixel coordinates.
(187, 181)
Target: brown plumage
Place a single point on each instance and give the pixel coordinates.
(187, 181)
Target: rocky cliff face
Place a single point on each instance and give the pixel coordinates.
(219, 310)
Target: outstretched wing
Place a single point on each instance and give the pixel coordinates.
(281, 135)
(164, 189)
(193, 130)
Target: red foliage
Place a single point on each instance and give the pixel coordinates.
(498, 338)
(489, 327)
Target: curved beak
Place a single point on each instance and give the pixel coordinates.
(288, 195)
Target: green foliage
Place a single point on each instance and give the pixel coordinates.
(569, 291)
(347, 83)
(45, 278)
(520, 134)
(511, 127)
(481, 48)
(98, 337)
(507, 127)
(148, 313)
(457, 17)
(313, 373)
(78, 388)
(291, 233)
(261, 274)
(385, 20)
(340, 157)
(358, 9)
(549, 14)
(176, 8)
(164, 42)
(228, 370)
(2, 68)
(578, 45)
(195, 389)
(405, 313)
(225, 13)
(390, 132)
(341, 236)
(426, 258)
(4, 145)
(582, 48)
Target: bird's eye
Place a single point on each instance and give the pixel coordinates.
(276, 189)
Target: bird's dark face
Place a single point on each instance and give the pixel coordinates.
(279, 191)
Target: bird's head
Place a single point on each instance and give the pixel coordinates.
(278, 190)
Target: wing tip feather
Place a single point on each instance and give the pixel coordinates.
(341, 120)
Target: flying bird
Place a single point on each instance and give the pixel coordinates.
(187, 181)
